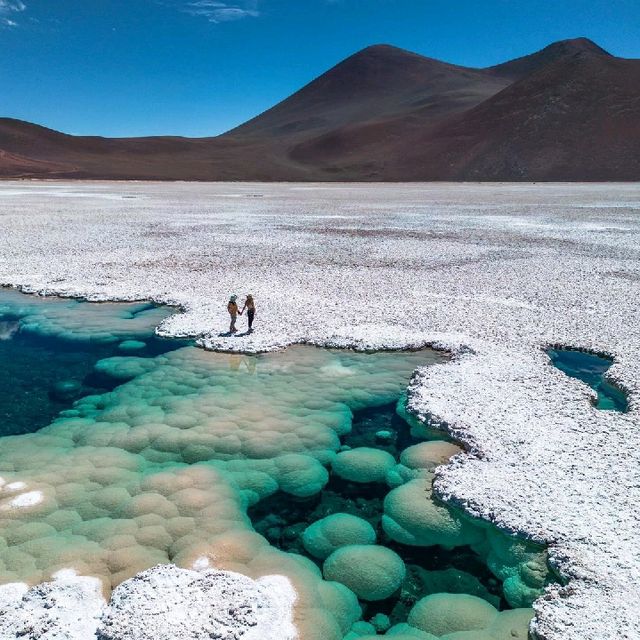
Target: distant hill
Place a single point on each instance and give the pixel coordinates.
(568, 112)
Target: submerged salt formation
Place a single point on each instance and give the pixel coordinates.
(370, 571)
(325, 536)
(163, 469)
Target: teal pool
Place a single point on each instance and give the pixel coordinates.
(120, 451)
(591, 368)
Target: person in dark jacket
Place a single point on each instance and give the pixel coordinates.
(250, 306)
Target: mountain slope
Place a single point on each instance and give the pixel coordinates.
(574, 114)
(577, 118)
(524, 66)
(377, 82)
(568, 112)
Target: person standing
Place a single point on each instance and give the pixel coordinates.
(232, 308)
(250, 306)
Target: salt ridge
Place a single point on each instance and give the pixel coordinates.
(492, 272)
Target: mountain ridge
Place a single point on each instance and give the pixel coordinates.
(567, 112)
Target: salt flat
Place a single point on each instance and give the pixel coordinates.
(492, 272)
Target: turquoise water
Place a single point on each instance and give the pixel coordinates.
(134, 452)
(429, 570)
(41, 375)
(591, 368)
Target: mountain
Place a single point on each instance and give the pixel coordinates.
(577, 118)
(378, 82)
(521, 67)
(568, 112)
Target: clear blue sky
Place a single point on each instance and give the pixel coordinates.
(199, 67)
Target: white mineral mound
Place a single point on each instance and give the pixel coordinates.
(162, 602)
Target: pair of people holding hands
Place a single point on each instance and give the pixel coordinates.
(234, 311)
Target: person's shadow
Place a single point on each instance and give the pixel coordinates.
(229, 334)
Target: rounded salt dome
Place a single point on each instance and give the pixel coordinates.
(324, 536)
(444, 613)
(363, 464)
(371, 572)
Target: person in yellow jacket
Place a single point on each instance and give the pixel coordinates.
(232, 308)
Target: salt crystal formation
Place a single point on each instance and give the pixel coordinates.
(67, 609)
(167, 602)
(164, 467)
(495, 273)
(162, 602)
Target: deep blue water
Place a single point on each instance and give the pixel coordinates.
(282, 519)
(42, 375)
(591, 368)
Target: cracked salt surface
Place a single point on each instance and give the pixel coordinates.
(493, 272)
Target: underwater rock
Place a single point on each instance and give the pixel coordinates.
(450, 581)
(508, 625)
(412, 517)
(168, 602)
(404, 631)
(420, 461)
(444, 613)
(371, 572)
(324, 536)
(380, 622)
(66, 390)
(363, 464)
(428, 455)
(301, 476)
(359, 630)
(512, 624)
(132, 345)
(520, 565)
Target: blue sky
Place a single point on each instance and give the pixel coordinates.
(199, 67)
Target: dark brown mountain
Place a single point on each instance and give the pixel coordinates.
(568, 112)
(577, 118)
(521, 67)
(378, 82)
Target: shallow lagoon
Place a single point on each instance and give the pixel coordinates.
(165, 455)
(46, 367)
(591, 369)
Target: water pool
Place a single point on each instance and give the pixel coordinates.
(591, 368)
(180, 455)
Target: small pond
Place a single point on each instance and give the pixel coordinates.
(591, 369)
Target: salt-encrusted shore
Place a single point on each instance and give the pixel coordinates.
(162, 602)
(492, 272)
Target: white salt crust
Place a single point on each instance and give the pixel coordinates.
(162, 602)
(492, 272)
(66, 609)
